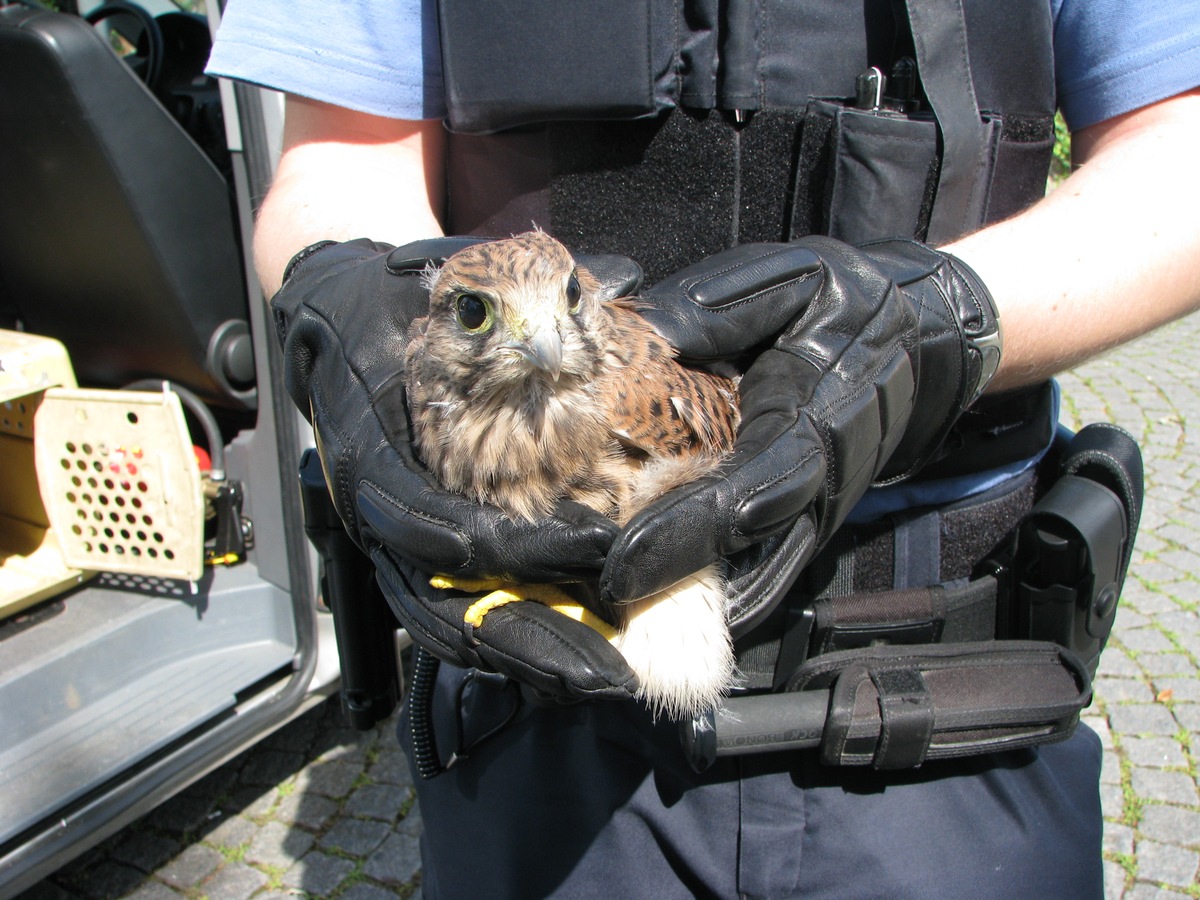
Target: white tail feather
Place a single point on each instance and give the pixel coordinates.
(678, 643)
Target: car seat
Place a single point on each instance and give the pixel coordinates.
(117, 232)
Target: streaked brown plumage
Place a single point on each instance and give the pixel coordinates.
(524, 388)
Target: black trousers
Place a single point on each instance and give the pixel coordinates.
(596, 800)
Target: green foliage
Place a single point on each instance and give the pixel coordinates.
(1060, 163)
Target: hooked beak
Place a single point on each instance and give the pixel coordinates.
(543, 351)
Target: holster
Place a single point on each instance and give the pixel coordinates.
(363, 623)
(996, 650)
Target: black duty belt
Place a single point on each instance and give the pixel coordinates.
(996, 655)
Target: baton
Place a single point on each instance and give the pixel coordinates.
(759, 723)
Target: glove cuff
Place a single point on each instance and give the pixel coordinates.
(980, 319)
(957, 351)
(302, 256)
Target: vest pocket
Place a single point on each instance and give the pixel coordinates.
(866, 175)
(511, 64)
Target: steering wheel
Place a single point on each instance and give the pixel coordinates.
(147, 58)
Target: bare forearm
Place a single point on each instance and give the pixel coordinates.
(346, 175)
(1110, 255)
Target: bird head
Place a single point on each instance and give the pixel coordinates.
(515, 311)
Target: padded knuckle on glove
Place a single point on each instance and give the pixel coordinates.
(745, 274)
(645, 557)
(619, 276)
(855, 435)
(733, 300)
(552, 652)
(433, 543)
(775, 488)
(414, 257)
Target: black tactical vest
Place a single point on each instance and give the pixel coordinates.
(670, 129)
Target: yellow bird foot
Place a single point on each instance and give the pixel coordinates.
(501, 593)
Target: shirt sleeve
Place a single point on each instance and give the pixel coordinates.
(374, 56)
(1114, 56)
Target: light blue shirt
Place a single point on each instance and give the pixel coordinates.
(374, 56)
(1113, 56)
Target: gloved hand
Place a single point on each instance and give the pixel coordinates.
(861, 360)
(342, 315)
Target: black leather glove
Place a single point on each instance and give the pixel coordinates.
(342, 315)
(861, 360)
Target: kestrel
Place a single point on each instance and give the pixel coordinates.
(525, 389)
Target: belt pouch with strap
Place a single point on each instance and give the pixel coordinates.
(895, 707)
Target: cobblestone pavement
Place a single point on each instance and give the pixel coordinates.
(1147, 707)
(320, 810)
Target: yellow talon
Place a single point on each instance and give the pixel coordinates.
(484, 605)
(581, 613)
(501, 593)
(468, 585)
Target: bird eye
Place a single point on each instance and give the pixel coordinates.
(574, 292)
(474, 314)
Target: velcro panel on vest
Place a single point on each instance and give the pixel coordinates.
(896, 707)
(1020, 165)
(968, 531)
(671, 190)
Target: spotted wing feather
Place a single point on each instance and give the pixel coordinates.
(658, 407)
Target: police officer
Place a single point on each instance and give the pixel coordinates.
(717, 130)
